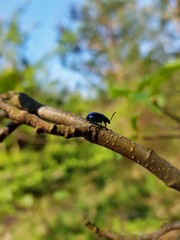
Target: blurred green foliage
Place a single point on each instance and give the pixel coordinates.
(49, 185)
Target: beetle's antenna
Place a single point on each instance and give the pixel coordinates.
(112, 116)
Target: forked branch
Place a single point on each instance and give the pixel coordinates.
(22, 109)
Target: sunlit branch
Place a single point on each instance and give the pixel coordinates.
(8, 129)
(22, 109)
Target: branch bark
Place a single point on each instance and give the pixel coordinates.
(22, 109)
(8, 129)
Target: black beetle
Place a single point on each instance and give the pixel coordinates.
(95, 117)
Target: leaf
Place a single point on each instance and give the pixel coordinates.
(60, 195)
(133, 121)
(119, 92)
(163, 74)
(139, 96)
(14, 35)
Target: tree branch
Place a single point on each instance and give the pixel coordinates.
(22, 109)
(149, 236)
(165, 111)
(8, 129)
(163, 137)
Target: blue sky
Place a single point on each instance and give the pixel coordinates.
(41, 18)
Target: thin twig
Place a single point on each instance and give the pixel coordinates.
(162, 231)
(165, 110)
(8, 129)
(108, 235)
(161, 137)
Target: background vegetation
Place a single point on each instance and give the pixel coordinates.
(126, 53)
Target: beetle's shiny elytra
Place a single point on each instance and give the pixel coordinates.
(98, 118)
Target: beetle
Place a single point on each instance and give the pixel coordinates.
(98, 118)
